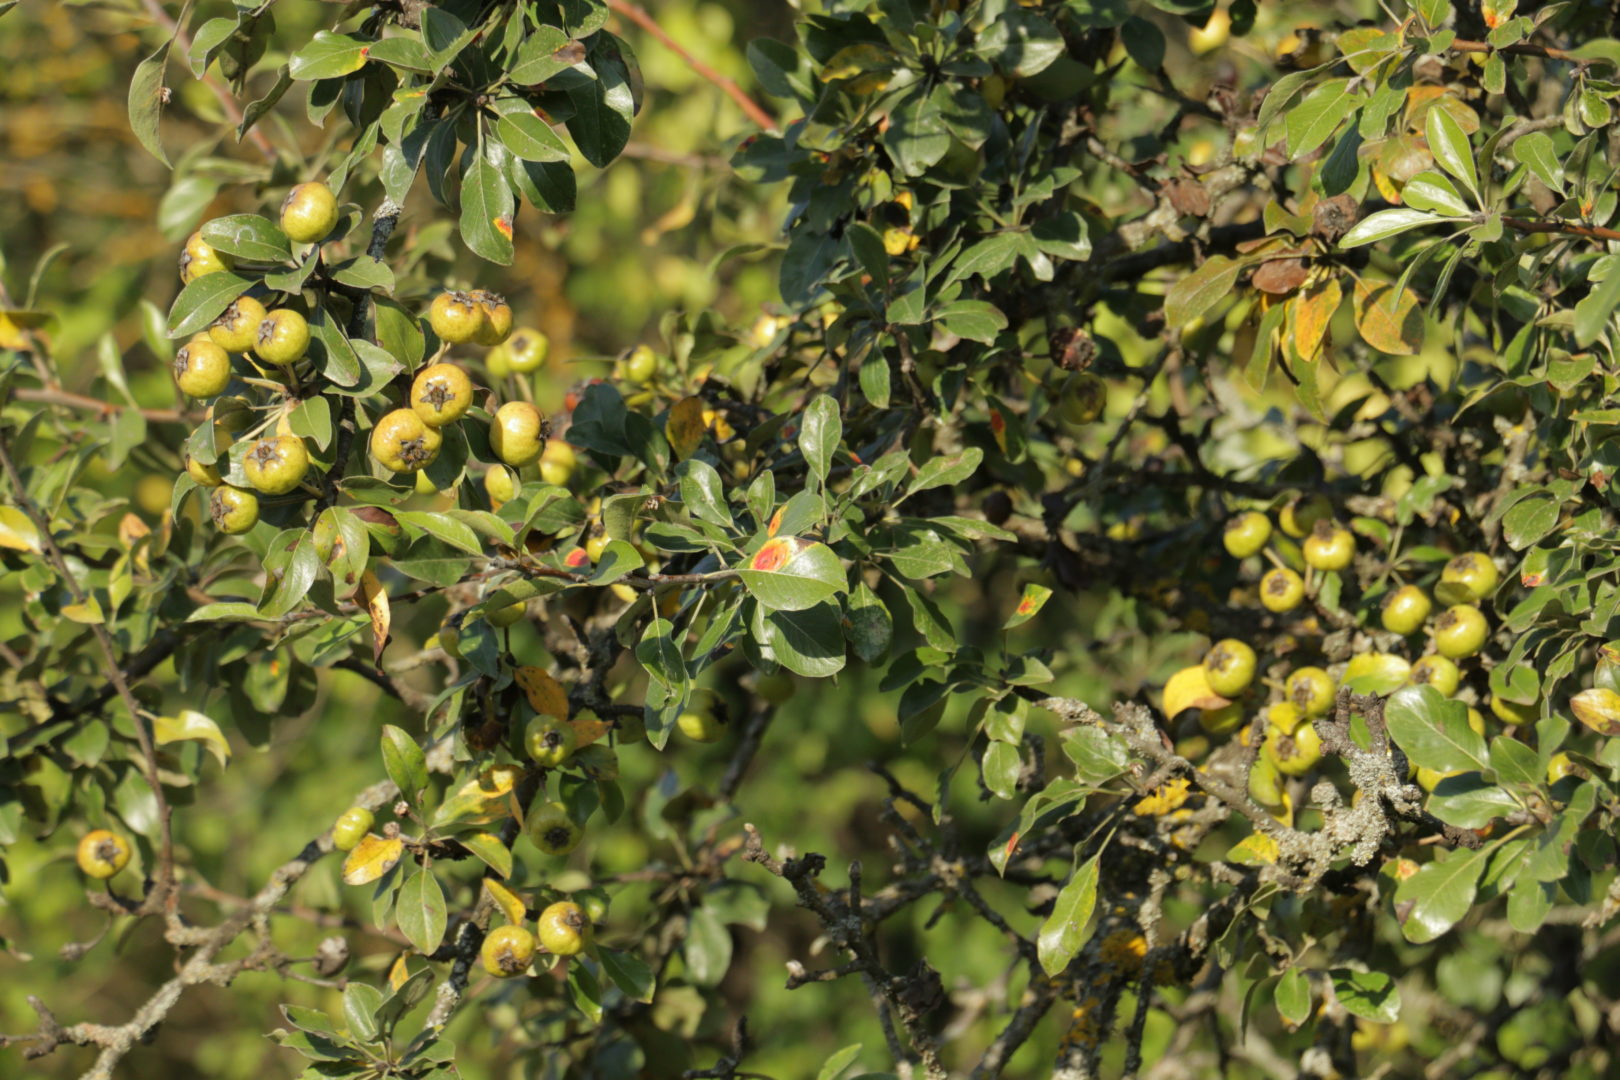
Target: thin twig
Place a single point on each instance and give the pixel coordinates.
(638, 15)
(53, 396)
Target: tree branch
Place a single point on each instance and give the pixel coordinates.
(638, 15)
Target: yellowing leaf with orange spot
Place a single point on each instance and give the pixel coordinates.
(481, 799)
(382, 617)
(1390, 322)
(399, 972)
(684, 429)
(998, 428)
(546, 695)
(1189, 689)
(509, 902)
(371, 858)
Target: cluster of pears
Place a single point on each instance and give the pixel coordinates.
(564, 928)
(1460, 631)
(1289, 743)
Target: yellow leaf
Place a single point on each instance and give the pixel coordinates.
(508, 901)
(1256, 849)
(684, 429)
(371, 859)
(381, 614)
(1189, 689)
(1599, 709)
(17, 531)
(1390, 322)
(192, 725)
(88, 612)
(130, 529)
(399, 972)
(588, 731)
(546, 695)
(1313, 310)
(481, 799)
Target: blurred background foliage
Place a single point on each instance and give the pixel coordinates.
(642, 242)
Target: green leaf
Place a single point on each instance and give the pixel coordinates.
(944, 471)
(1448, 142)
(1313, 120)
(1536, 152)
(1439, 894)
(146, 92)
(203, 301)
(248, 236)
(1469, 801)
(791, 574)
(1292, 996)
(617, 560)
(660, 653)
(455, 533)
(290, 590)
(840, 1061)
(1433, 730)
(328, 56)
(868, 624)
(360, 1005)
(629, 973)
(487, 208)
(1515, 763)
(1371, 995)
(529, 137)
(707, 948)
(1066, 930)
(1029, 605)
(1432, 191)
(420, 911)
(1200, 290)
(703, 493)
(603, 107)
(808, 642)
(1001, 767)
(405, 763)
(820, 431)
(536, 60)
(1387, 223)
(1593, 310)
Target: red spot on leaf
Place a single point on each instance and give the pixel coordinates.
(997, 423)
(1012, 845)
(771, 556)
(1026, 606)
(776, 523)
(577, 558)
(504, 224)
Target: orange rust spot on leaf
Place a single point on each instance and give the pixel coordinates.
(776, 523)
(504, 225)
(576, 558)
(772, 555)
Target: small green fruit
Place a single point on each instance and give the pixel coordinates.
(234, 510)
(1329, 547)
(1460, 631)
(282, 338)
(1229, 667)
(551, 829)
(507, 951)
(202, 369)
(565, 930)
(550, 742)
(1405, 610)
(309, 213)
(1246, 534)
(1311, 690)
(276, 464)
(1281, 590)
(1438, 672)
(351, 827)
